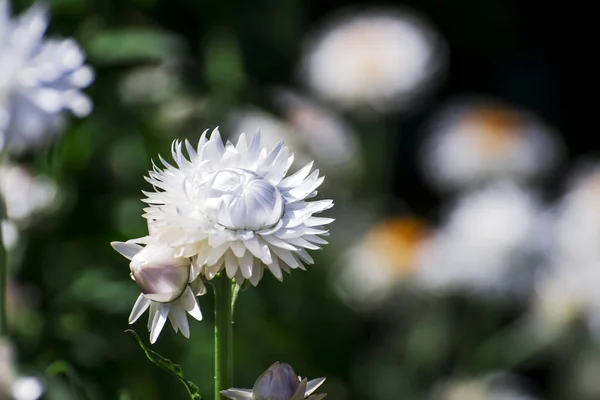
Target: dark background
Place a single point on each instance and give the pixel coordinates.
(77, 293)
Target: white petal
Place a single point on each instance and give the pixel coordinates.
(237, 394)
(275, 270)
(231, 264)
(286, 256)
(178, 315)
(299, 394)
(246, 265)
(318, 221)
(159, 322)
(216, 254)
(242, 144)
(173, 322)
(258, 249)
(239, 278)
(315, 239)
(297, 178)
(238, 248)
(275, 241)
(307, 187)
(190, 304)
(313, 385)
(140, 307)
(257, 272)
(151, 313)
(301, 242)
(304, 256)
(127, 250)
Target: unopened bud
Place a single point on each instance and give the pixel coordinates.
(160, 276)
(279, 382)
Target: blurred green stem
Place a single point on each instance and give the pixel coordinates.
(222, 286)
(3, 268)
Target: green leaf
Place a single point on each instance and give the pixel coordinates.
(167, 365)
(125, 46)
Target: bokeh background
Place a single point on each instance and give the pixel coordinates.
(364, 315)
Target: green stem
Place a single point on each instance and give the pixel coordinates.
(222, 286)
(3, 275)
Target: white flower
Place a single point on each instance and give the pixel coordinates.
(231, 207)
(380, 59)
(383, 258)
(577, 226)
(169, 285)
(23, 193)
(24, 196)
(569, 290)
(474, 141)
(495, 386)
(39, 78)
(488, 243)
(279, 382)
(12, 386)
(311, 131)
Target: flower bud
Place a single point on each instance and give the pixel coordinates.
(240, 199)
(279, 382)
(160, 276)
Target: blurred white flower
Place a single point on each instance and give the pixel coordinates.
(169, 285)
(310, 130)
(24, 196)
(326, 136)
(384, 257)
(578, 218)
(231, 208)
(496, 386)
(39, 78)
(488, 243)
(279, 382)
(382, 59)
(569, 290)
(12, 386)
(475, 141)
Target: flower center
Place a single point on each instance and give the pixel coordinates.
(239, 199)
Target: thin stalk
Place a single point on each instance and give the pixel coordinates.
(3, 275)
(222, 286)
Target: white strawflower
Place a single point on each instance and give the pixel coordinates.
(488, 244)
(569, 290)
(379, 261)
(39, 79)
(169, 285)
(24, 196)
(231, 207)
(577, 225)
(279, 382)
(474, 141)
(382, 59)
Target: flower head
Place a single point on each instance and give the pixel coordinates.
(379, 59)
(476, 141)
(384, 257)
(24, 196)
(39, 78)
(279, 382)
(230, 207)
(169, 285)
(489, 244)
